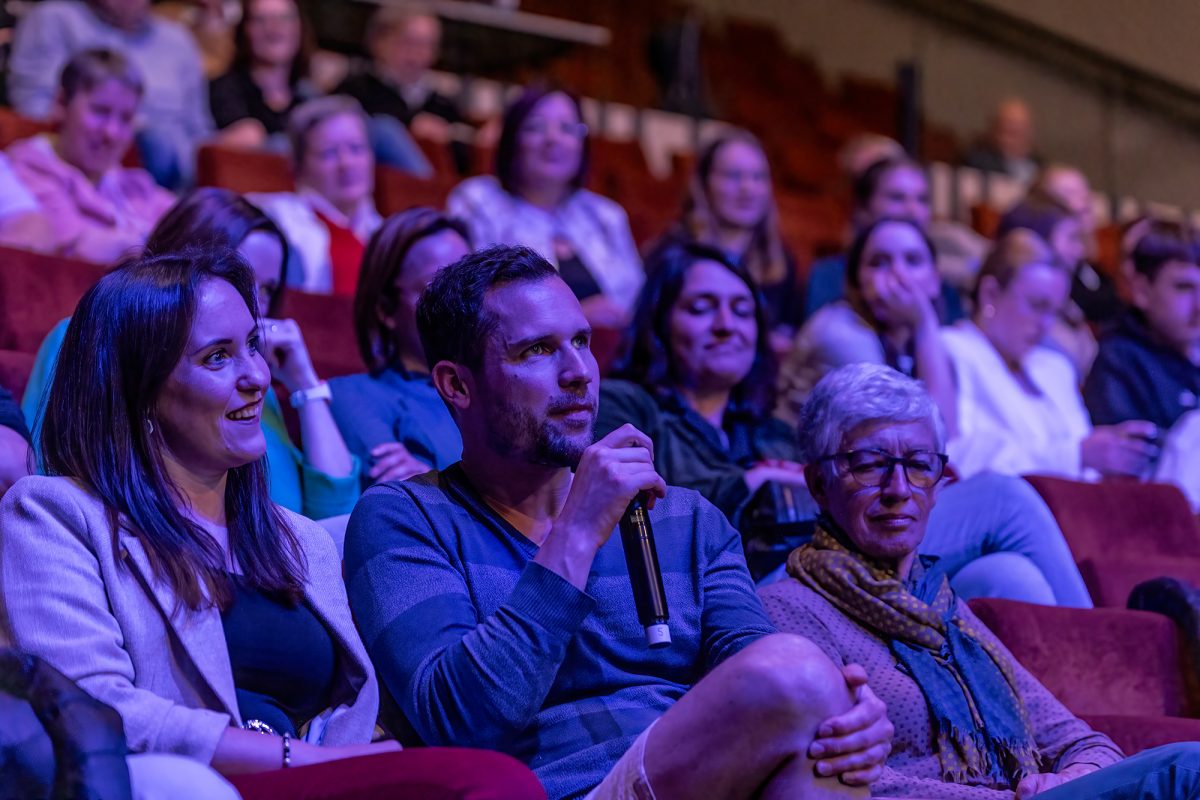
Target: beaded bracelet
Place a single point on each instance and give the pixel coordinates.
(287, 750)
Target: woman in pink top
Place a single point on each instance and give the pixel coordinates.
(100, 210)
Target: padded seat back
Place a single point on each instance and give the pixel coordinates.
(1102, 661)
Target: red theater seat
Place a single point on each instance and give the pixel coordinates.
(242, 170)
(1124, 532)
(423, 773)
(15, 368)
(36, 291)
(1121, 670)
(327, 322)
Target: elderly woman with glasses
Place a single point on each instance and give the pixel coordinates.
(971, 723)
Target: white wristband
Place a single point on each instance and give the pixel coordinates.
(302, 397)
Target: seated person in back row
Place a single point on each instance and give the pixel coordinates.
(175, 117)
(100, 210)
(331, 215)
(495, 601)
(971, 723)
(391, 416)
(1149, 363)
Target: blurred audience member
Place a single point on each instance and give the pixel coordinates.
(895, 188)
(730, 206)
(320, 481)
(331, 215)
(174, 114)
(392, 416)
(394, 87)
(267, 79)
(699, 380)
(1007, 147)
(1019, 406)
(21, 222)
(1064, 233)
(891, 315)
(970, 721)
(1093, 291)
(16, 459)
(211, 23)
(100, 210)
(537, 199)
(1149, 362)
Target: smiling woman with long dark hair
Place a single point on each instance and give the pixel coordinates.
(699, 379)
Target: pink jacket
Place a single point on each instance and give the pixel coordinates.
(100, 222)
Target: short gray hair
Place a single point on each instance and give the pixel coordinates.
(852, 395)
(312, 113)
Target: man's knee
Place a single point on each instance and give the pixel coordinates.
(787, 675)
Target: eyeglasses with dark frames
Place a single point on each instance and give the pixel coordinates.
(874, 468)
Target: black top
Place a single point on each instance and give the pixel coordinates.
(575, 274)
(10, 414)
(378, 96)
(1138, 376)
(235, 96)
(283, 659)
(688, 450)
(1096, 295)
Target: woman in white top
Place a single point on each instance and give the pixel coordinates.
(331, 215)
(537, 199)
(1019, 406)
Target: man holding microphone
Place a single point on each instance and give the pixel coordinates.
(496, 603)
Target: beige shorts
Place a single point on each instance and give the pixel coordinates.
(627, 779)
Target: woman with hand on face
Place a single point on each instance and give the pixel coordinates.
(154, 570)
(268, 77)
(894, 187)
(890, 316)
(98, 209)
(730, 206)
(537, 199)
(970, 721)
(320, 481)
(698, 379)
(392, 416)
(1019, 405)
(331, 215)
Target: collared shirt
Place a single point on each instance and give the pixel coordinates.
(481, 647)
(1138, 376)
(395, 405)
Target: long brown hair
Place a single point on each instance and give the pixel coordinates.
(764, 259)
(125, 338)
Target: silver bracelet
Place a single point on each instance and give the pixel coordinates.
(287, 750)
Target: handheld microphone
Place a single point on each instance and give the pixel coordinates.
(637, 537)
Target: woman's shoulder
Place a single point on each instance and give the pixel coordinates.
(64, 500)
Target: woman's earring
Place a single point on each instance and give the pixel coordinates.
(150, 426)
(989, 311)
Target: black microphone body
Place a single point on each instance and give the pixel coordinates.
(637, 537)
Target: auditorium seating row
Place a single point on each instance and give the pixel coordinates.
(1122, 670)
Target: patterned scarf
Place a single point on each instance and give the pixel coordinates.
(981, 727)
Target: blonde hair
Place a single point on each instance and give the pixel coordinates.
(764, 260)
(1015, 250)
